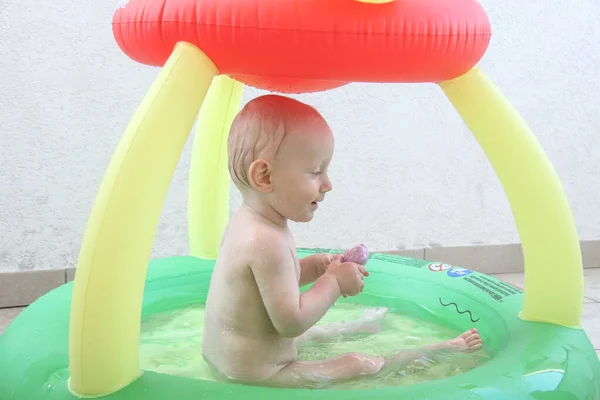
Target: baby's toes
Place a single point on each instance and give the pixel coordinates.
(469, 333)
(473, 340)
(475, 344)
(372, 314)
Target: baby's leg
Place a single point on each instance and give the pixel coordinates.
(317, 374)
(367, 323)
(466, 341)
(320, 373)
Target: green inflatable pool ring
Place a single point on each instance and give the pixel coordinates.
(83, 339)
(530, 360)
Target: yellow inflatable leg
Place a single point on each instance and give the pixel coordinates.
(108, 287)
(553, 266)
(208, 192)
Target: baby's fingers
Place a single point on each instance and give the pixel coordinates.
(326, 259)
(360, 285)
(362, 269)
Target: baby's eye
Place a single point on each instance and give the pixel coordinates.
(317, 173)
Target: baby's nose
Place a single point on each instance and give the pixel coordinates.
(327, 186)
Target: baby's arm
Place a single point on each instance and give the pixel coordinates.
(291, 313)
(312, 267)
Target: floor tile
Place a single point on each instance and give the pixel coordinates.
(590, 251)
(515, 279)
(590, 320)
(22, 288)
(69, 274)
(7, 315)
(591, 278)
(591, 281)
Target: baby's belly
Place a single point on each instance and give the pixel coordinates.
(246, 358)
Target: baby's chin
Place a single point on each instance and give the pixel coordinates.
(306, 217)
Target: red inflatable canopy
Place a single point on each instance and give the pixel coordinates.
(309, 45)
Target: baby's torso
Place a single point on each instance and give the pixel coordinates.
(239, 338)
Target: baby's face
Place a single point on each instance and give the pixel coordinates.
(300, 178)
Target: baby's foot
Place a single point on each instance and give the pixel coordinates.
(373, 314)
(467, 341)
(369, 322)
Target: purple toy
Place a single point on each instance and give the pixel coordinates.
(358, 254)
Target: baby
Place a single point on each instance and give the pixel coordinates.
(279, 152)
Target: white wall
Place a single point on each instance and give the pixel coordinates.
(67, 93)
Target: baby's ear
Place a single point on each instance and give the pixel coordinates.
(259, 175)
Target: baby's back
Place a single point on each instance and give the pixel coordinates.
(239, 339)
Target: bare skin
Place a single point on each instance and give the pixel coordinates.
(255, 315)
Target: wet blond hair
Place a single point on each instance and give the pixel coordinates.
(258, 131)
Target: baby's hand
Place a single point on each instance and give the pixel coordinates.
(326, 259)
(349, 275)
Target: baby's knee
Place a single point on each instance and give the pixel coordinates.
(363, 364)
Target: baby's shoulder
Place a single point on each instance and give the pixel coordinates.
(261, 237)
(264, 245)
(245, 231)
(255, 242)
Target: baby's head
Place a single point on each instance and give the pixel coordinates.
(279, 151)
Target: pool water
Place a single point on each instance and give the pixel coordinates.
(171, 343)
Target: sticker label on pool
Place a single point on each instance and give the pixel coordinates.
(458, 272)
(497, 289)
(439, 267)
